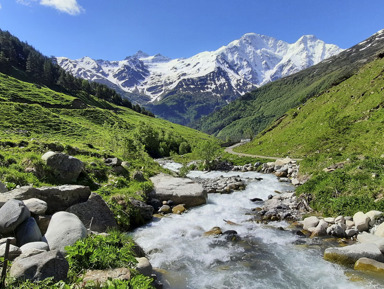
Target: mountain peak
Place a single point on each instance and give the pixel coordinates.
(140, 54)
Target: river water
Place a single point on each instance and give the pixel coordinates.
(265, 257)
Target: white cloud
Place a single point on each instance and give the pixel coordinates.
(0, 6)
(68, 6)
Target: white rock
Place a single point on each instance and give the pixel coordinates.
(330, 220)
(380, 230)
(373, 216)
(310, 222)
(366, 238)
(361, 221)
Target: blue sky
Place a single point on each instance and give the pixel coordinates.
(115, 29)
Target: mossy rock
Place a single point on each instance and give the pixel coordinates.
(370, 266)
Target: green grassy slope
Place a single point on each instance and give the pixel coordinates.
(342, 127)
(254, 111)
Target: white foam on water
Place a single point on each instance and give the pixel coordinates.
(265, 257)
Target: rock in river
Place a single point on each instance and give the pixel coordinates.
(179, 190)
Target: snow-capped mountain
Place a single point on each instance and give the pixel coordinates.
(226, 73)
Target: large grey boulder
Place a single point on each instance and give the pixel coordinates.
(64, 230)
(179, 190)
(36, 206)
(12, 214)
(41, 266)
(94, 213)
(350, 254)
(27, 232)
(57, 198)
(66, 168)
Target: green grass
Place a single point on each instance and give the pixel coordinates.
(342, 125)
(255, 111)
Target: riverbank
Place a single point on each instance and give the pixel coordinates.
(218, 235)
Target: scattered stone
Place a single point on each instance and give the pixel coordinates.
(94, 213)
(350, 254)
(178, 209)
(321, 229)
(380, 230)
(36, 206)
(340, 220)
(27, 232)
(145, 211)
(100, 277)
(144, 266)
(66, 168)
(349, 233)
(369, 265)
(11, 239)
(231, 235)
(361, 221)
(112, 162)
(256, 200)
(336, 230)
(34, 246)
(165, 209)
(179, 190)
(57, 198)
(310, 222)
(39, 267)
(330, 220)
(12, 214)
(349, 224)
(43, 223)
(64, 230)
(373, 216)
(139, 176)
(213, 232)
(367, 238)
(13, 252)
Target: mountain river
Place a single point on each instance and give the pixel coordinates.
(265, 257)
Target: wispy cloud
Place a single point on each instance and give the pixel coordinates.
(67, 6)
(0, 6)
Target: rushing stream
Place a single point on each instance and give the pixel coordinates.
(265, 257)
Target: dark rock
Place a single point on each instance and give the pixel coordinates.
(145, 211)
(256, 200)
(231, 235)
(138, 176)
(94, 213)
(27, 232)
(155, 203)
(66, 168)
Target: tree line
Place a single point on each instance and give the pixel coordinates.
(16, 56)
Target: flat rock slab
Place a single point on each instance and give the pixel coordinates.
(350, 254)
(179, 190)
(57, 198)
(100, 277)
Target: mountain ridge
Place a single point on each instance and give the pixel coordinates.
(218, 76)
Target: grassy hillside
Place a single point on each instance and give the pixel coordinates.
(254, 111)
(342, 130)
